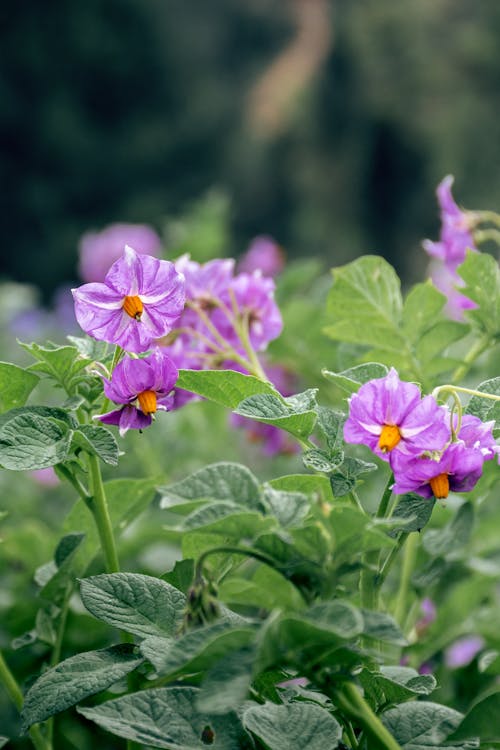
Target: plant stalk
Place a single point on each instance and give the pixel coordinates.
(99, 508)
(15, 694)
(352, 702)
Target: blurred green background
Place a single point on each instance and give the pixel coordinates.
(325, 123)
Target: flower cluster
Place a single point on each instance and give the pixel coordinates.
(429, 452)
(447, 254)
(204, 315)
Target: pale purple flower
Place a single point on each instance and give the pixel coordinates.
(263, 254)
(478, 435)
(447, 280)
(99, 250)
(205, 282)
(139, 301)
(456, 236)
(46, 477)
(458, 468)
(251, 298)
(390, 416)
(143, 386)
(428, 615)
(463, 651)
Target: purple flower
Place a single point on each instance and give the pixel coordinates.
(390, 416)
(463, 651)
(447, 280)
(478, 435)
(263, 254)
(251, 298)
(458, 468)
(46, 477)
(143, 386)
(99, 250)
(205, 282)
(456, 236)
(428, 615)
(139, 301)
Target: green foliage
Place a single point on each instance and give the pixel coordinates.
(482, 285)
(76, 678)
(136, 603)
(29, 441)
(299, 724)
(166, 718)
(480, 721)
(16, 385)
(423, 724)
(366, 308)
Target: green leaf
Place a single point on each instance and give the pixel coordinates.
(196, 650)
(482, 285)
(436, 340)
(29, 441)
(421, 309)
(480, 721)
(340, 617)
(485, 408)
(166, 718)
(395, 685)
(345, 477)
(317, 486)
(47, 412)
(350, 380)
(293, 725)
(413, 512)
(454, 536)
(365, 304)
(76, 678)
(318, 460)
(181, 576)
(266, 589)
(290, 508)
(97, 441)
(295, 414)
(222, 481)
(422, 725)
(55, 587)
(228, 520)
(62, 363)
(227, 683)
(382, 627)
(331, 424)
(3, 741)
(136, 603)
(16, 385)
(225, 387)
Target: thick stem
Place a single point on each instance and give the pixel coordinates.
(99, 508)
(384, 570)
(384, 502)
(350, 700)
(409, 559)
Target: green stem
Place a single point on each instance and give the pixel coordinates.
(486, 235)
(368, 582)
(99, 508)
(390, 559)
(15, 694)
(470, 391)
(477, 348)
(350, 700)
(409, 559)
(384, 502)
(56, 651)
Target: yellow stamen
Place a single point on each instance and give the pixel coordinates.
(133, 306)
(147, 402)
(389, 438)
(440, 486)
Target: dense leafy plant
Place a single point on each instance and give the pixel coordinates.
(307, 610)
